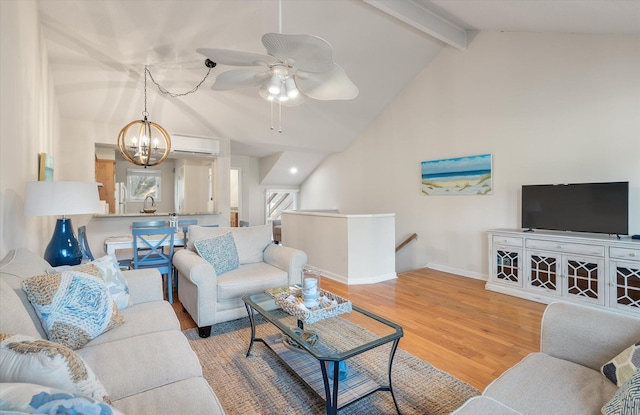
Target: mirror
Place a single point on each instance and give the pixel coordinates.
(183, 185)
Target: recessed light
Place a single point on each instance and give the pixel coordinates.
(293, 170)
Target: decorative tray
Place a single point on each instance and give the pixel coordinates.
(329, 305)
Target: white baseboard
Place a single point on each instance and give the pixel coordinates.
(357, 281)
(461, 272)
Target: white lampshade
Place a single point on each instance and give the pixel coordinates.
(292, 89)
(274, 85)
(61, 198)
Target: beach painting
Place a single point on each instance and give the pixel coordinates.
(457, 176)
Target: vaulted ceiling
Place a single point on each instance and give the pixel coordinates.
(98, 50)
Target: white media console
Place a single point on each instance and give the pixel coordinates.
(547, 266)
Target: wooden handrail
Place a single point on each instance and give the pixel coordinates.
(406, 241)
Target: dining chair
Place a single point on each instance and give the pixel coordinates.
(154, 240)
(149, 224)
(84, 243)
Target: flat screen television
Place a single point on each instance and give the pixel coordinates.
(579, 207)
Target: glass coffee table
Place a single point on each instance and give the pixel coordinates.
(317, 353)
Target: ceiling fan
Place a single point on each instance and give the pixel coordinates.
(295, 67)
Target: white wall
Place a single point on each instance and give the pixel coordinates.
(29, 124)
(252, 192)
(551, 108)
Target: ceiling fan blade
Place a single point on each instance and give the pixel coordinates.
(331, 85)
(236, 58)
(309, 53)
(239, 78)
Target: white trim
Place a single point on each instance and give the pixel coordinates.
(355, 281)
(457, 271)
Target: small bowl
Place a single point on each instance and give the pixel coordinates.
(149, 210)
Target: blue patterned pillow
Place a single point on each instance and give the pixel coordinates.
(220, 251)
(627, 399)
(74, 307)
(29, 398)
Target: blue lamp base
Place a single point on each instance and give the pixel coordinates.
(63, 249)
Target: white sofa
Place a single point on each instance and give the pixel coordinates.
(145, 364)
(211, 298)
(564, 377)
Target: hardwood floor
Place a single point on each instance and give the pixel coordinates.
(448, 320)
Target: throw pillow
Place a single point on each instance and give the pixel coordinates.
(29, 398)
(620, 369)
(74, 307)
(109, 270)
(627, 400)
(30, 360)
(114, 279)
(220, 251)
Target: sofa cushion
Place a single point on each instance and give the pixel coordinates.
(620, 369)
(627, 399)
(141, 319)
(17, 265)
(250, 241)
(136, 364)
(250, 278)
(31, 360)
(14, 318)
(74, 307)
(23, 263)
(484, 405)
(220, 251)
(188, 396)
(542, 384)
(29, 398)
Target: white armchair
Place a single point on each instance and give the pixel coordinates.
(210, 298)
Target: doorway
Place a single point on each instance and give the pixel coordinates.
(235, 187)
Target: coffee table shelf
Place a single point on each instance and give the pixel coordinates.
(306, 367)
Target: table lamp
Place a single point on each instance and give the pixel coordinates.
(47, 198)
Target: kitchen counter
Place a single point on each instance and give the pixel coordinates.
(154, 215)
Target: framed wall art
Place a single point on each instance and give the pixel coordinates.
(469, 175)
(45, 171)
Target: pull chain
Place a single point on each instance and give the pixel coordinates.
(271, 106)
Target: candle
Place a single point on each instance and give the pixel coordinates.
(310, 285)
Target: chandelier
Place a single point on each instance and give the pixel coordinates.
(143, 142)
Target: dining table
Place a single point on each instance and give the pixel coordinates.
(113, 243)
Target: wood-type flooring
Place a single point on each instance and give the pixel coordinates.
(448, 320)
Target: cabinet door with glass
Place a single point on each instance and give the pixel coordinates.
(584, 278)
(624, 285)
(544, 271)
(507, 268)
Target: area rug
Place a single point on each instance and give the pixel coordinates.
(261, 384)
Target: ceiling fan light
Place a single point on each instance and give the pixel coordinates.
(274, 85)
(283, 97)
(292, 90)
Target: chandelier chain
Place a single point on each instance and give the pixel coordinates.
(167, 92)
(145, 113)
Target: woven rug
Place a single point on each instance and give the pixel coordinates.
(262, 384)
